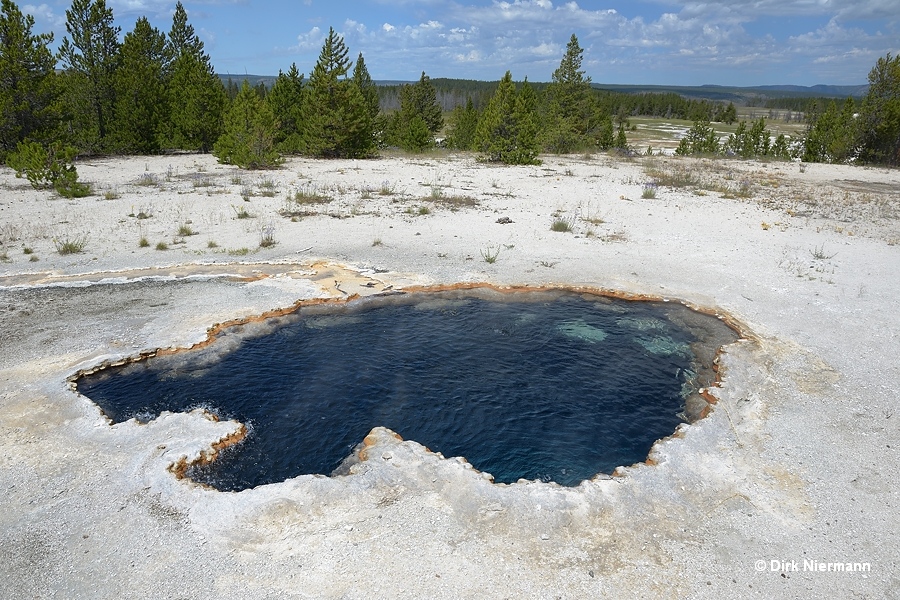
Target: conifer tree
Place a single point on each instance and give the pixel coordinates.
(525, 117)
(196, 96)
(366, 86)
(879, 119)
(506, 130)
(701, 138)
(337, 122)
(248, 137)
(140, 90)
(571, 118)
(418, 106)
(464, 121)
(285, 99)
(89, 55)
(27, 90)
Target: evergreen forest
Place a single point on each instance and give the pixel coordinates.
(151, 91)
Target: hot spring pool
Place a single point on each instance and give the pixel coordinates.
(557, 386)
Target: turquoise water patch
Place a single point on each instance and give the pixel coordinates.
(581, 330)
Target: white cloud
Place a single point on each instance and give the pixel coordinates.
(311, 40)
(388, 27)
(44, 15)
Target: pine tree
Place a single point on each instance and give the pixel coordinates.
(248, 137)
(285, 99)
(525, 117)
(464, 121)
(879, 119)
(507, 130)
(571, 116)
(418, 103)
(366, 86)
(140, 91)
(90, 55)
(27, 91)
(337, 122)
(196, 96)
(701, 138)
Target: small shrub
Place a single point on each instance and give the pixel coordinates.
(212, 244)
(241, 212)
(162, 246)
(70, 245)
(147, 180)
(424, 210)
(185, 230)
(387, 188)
(819, 253)
(267, 235)
(143, 242)
(562, 225)
(49, 167)
(33, 258)
(4, 256)
(311, 194)
(202, 181)
(111, 195)
(27, 250)
(267, 187)
(649, 190)
(143, 212)
(239, 252)
(376, 242)
(490, 254)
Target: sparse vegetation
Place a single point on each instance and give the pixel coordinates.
(147, 180)
(387, 188)
(69, 245)
(241, 212)
(311, 194)
(267, 235)
(490, 254)
(162, 246)
(562, 224)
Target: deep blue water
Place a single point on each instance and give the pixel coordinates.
(542, 386)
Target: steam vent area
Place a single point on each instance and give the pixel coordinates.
(690, 395)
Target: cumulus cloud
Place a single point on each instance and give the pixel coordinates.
(311, 40)
(44, 16)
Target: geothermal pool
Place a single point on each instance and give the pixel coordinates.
(557, 386)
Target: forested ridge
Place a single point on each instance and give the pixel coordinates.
(150, 91)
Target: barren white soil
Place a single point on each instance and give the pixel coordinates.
(792, 474)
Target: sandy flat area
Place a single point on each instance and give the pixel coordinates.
(788, 489)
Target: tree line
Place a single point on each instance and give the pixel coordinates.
(153, 92)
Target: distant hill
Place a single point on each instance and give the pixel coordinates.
(752, 95)
(742, 95)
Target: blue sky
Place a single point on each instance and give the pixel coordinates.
(667, 42)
